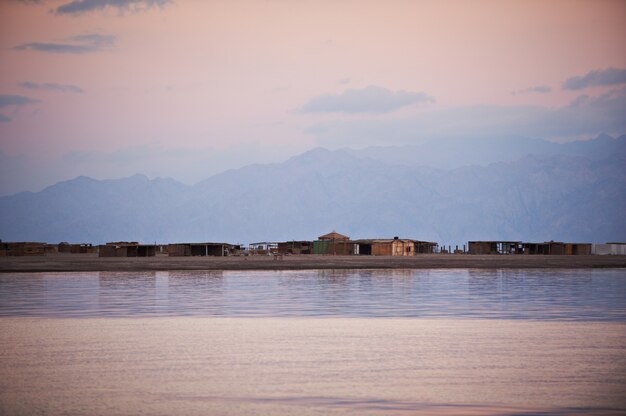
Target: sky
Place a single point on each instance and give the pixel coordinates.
(189, 88)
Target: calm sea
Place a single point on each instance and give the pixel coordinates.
(582, 295)
(358, 342)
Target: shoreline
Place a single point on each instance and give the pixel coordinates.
(93, 263)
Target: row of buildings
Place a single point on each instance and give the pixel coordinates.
(328, 244)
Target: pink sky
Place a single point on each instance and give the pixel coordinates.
(226, 76)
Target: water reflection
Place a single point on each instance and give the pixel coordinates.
(506, 294)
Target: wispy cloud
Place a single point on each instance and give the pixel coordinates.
(75, 45)
(584, 116)
(51, 86)
(85, 6)
(597, 77)
(16, 101)
(542, 89)
(370, 99)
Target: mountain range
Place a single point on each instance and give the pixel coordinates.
(518, 189)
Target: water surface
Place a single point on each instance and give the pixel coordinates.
(357, 342)
(502, 294)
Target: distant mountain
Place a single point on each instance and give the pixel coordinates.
(88, 210)
(579, 195)
(455, 153)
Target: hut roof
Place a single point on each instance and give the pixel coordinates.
(334, 235)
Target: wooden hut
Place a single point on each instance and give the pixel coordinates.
(295, 247)
(80, 248)
(385, 247)
(425, 247)
(557, 248)
(22, 249)
(199, 249)
(495, 247)
(126, 249)
(615, 249)
(333, 243)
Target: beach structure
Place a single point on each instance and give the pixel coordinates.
(22, 249)
(82, 248)
(518, 247)
(200, 249)
(385, 247)
(333, 236)
(126, 249)
(51, 249)
(263, 248)
(425, 247)
(557, 248)
(333, 243)
(334, 247)
(295, 247)
(615, 249)
(494, 247)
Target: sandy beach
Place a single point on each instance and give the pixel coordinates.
(90, 262)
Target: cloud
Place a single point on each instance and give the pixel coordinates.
(76, 44)
(584, 116)
(84, 6)
(51, 86)
(15, 100)
(542, 89)
(371, 99)
(597, 77)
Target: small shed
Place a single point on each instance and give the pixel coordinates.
(295, 247)
(81, 248)
(615, 249)
(333, 243)
(263, 248)
(495, 247)
(199, 249)
(385, 247)
(334, 247)
(126, 249)
(22, 249)
(557, 248)
(425, 247)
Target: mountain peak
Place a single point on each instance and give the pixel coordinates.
(603, 136)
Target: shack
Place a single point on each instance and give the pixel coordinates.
(263, 248)
(425, 247)
(333, 243)
(81, 248)
(295, 247)
(557, 248)
(615, 249)
(495, 247)
(385, 247)
(126, 249)
(199, 249)
(22, 249)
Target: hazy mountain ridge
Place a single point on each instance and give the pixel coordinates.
(534, 198)
(455, 153)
